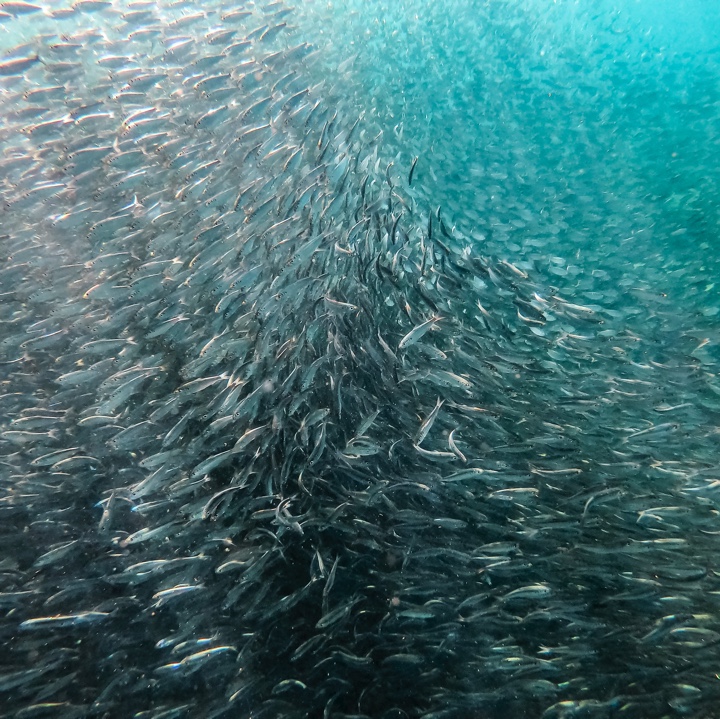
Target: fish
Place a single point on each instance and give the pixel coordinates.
(412, 170)
(241, 333)
(428, 422)
(17, 66)
(18, 8)
(418, 332)
(63, 621)
(454, 448)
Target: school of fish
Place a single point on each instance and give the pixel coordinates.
(318, 400)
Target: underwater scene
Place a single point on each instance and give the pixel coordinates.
(360, 359)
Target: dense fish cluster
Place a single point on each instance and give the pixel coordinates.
(564, 134)
(300, 416)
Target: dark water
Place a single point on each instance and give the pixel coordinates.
(359, 359)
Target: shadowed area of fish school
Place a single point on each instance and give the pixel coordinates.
(358, 360)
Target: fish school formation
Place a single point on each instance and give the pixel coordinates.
(277, 439)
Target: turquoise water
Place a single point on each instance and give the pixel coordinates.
(359, 359)
(601, 116)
